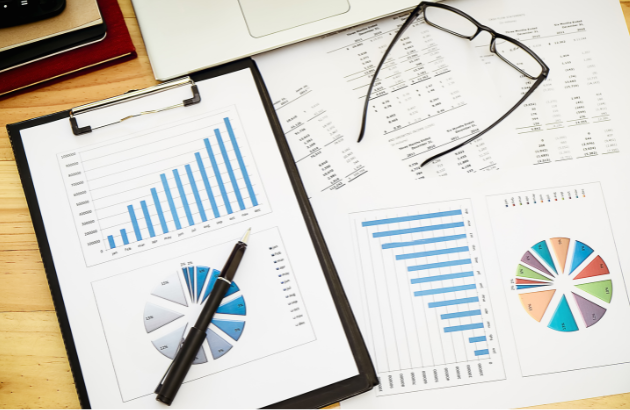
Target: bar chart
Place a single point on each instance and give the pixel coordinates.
(159, 186)
(430, 318)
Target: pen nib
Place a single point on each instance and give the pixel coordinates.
(246, 236)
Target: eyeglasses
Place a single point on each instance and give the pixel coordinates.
(460, 24)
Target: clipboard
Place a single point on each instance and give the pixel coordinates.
(366, 378)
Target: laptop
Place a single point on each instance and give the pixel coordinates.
(185, 36)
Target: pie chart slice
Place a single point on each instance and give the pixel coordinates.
(156, 316)
(234, 307)
(563, 320)
(580, 254)
(561, 250)
(169, 345)
(218, 345)
(531, 286)
(595, 268)
(536, 303)
(542, 250)
(171, 290)
(187, 279)
(201, 357)
(531, 260)
(591, 312)
(202, 274)
(529, 282)
(213, 279)
(601, 289)
(232, 328)
(525, 272)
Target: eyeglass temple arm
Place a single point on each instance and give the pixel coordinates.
(412, 17)
(540, 79)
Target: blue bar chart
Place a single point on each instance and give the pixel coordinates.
(423, 282)
(158, 186)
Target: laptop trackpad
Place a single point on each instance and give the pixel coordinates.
(264, 17)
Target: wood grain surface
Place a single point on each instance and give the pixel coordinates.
(34, 370)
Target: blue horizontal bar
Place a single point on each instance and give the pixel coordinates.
(531, 286)
(439, 265)
(423, 241)
(444, 290)
(112, 245)
(468, 313)
(476, 339)
(431, 253)
(443, 277)
(411, 218)
(481, 352)
(418, 229)
(461, 328)
(461, 301)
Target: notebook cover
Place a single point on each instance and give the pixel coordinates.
(77, 14)
(117, 44)
(18, 56)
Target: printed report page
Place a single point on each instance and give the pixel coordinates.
(472, 292)
(489, 290)
(141, 216)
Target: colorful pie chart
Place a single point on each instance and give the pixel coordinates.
(563, 284)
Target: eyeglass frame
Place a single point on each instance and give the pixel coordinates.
(421, 8)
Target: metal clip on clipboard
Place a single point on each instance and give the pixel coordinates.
(133, 95)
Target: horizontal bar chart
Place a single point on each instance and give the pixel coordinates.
(423, 280)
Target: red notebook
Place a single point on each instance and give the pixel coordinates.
(116, 46)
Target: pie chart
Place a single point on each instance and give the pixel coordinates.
(563, 284)
(173, 307)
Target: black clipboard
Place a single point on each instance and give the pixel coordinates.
(364, 381)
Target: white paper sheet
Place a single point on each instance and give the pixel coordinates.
(443, 338)
(563, 157)
(127, 207)
(436, 90)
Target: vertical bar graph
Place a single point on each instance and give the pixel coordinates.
(166, 185)
(424, 281)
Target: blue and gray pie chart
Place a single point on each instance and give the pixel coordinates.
(227, 325)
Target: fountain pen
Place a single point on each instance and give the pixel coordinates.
(175, 374)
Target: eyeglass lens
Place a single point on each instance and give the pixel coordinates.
(510, 52)
(517, 57)
(450, 21)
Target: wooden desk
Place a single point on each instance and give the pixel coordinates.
(34, 370)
